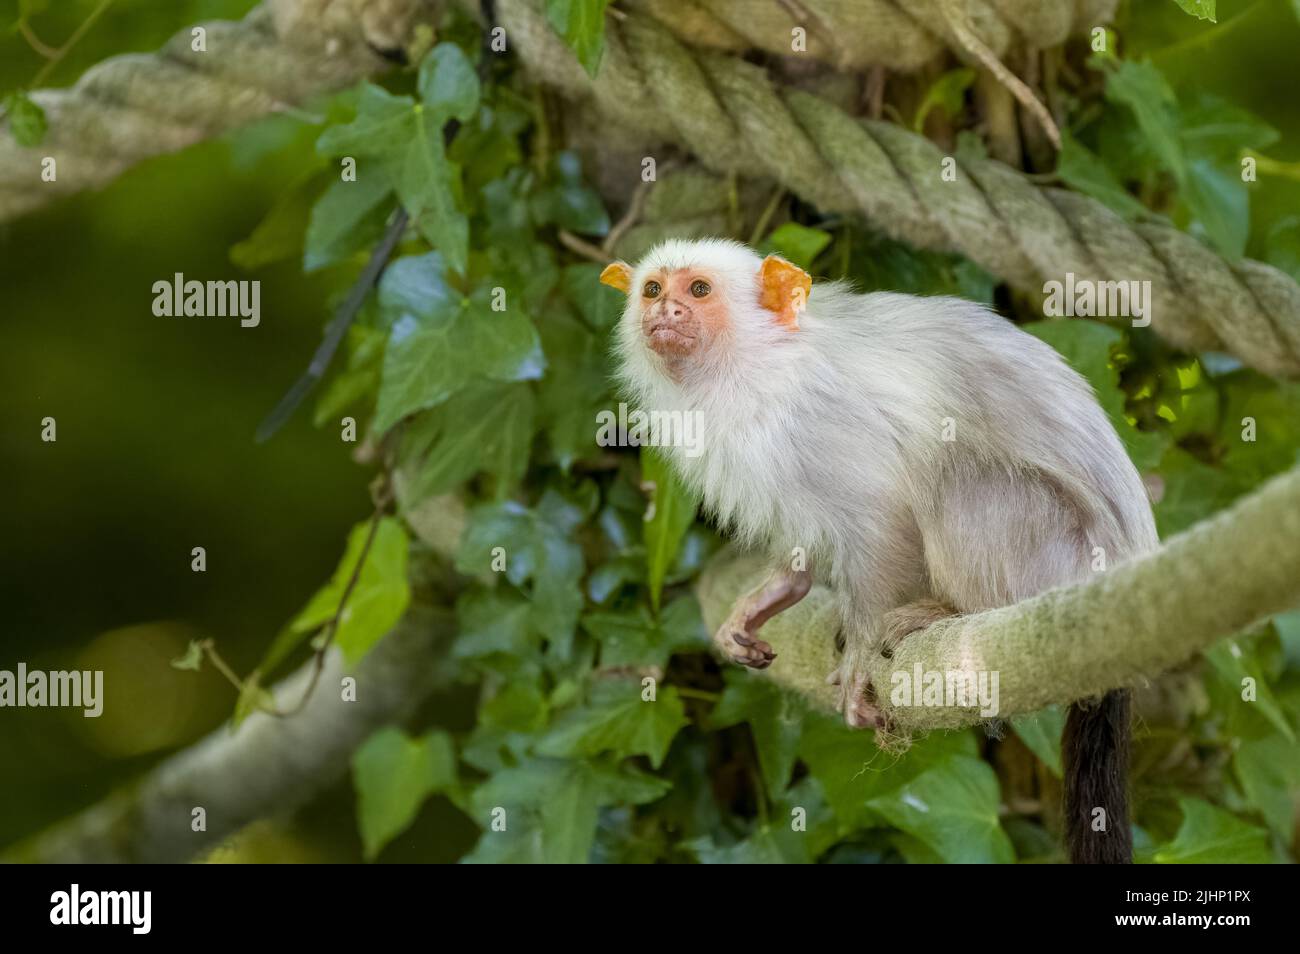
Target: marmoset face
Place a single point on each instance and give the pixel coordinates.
(681, 310)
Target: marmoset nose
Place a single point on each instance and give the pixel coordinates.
(676, 310)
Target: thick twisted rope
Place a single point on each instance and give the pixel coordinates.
(129, 108)
(1126, 625)
(734, 119)
(852, 34)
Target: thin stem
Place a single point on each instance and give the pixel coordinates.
(77, 34)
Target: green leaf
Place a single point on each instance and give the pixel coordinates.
(582, 24)
(1210, 835)
(1269, 772)
(1201, 9)
(951, 808)
(1085, 172)
(775, 716)
(26, 119)
(1192, 491)
(482, 430)
(567, 201)
(492, 622)
(672, 511)
(635, 638)
(376, 603)
(1217, 129)
(777, 842)
(1282, 244)
(448, 85)
(345, 220)
(432, 356)
(599, 305)
(617, 720)
(278, 237)
(1143, 89)
(429, 187)
(1041, 732)
(253, 697)
(852, 770)
(1234, 663)
(539, 547)
(797, 243)
(381, 129)
(550, 809)
(393, 774)
(192, 659)
(948, 93)
(1086, 345)
(1220, 206)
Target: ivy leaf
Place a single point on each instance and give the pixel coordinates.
(448, 85)
(599, 305)
(618, 720)
(853, 771)
(482, 430)
(393, 774)
(1041, 732)
(406, 138)
(1086, 345)
(947, 93)
(582, 24)
(1216, 129)
(672, 511)
(574, 390)
(279, 236)
(492, 622)
(568, 202)
(1234, 663)
(27, 121)
(778, 842)
(1084, 171)
(381, 129)
(539, 548)
(1143, 89)
(1220, 206)
(775, 716)
(1192, 491)
(432, 356)
(951, 808)
(550, 809)
(377, 602)
(345, 220)
(635, 638)
(253, 697)
(797, 243)
(1201, 9)
(191, 659)
(1209, 835)
(1268, 769)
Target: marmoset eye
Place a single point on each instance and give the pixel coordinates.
(700, 288)
(652, 289)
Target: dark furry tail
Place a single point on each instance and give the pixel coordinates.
(1095, 747)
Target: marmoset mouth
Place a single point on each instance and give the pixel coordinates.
(666, 337)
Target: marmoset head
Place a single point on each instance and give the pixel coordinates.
(690, 302)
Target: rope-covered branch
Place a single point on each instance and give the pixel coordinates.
(1127, 625)
(129, 108)
(268, 766)
(734, 119)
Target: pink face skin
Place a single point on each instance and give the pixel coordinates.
(681, 312)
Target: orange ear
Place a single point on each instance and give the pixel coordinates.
(617, 275)
(784, 290)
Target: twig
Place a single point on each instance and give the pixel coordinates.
(632, 214)
(34, 41)
(343, 319)
(77, 34)
(954, 12)
(581, 246)
(766, 217)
